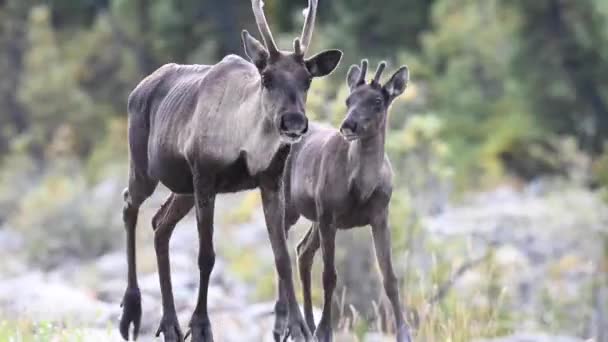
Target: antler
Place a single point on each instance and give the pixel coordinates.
(297, 47)
(309, 23)
(363, 72)
(260, 19)
(379, 72)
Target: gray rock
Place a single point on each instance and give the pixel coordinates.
(34, 296)
(530, 337)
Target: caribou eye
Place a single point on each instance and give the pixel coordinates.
(267, 81)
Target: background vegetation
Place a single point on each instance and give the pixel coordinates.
(503, 93)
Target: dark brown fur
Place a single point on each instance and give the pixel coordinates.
(202, 130)
(341, 180)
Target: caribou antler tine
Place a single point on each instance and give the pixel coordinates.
(363, 72)
(260, 19)
(297, 47)
(309, 24)
(379, 72)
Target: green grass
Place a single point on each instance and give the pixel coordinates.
(24, 330)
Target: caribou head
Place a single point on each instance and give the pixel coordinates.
(286, 76)
(368, 103)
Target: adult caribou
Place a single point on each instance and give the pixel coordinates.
(202, 130)
(341, 180)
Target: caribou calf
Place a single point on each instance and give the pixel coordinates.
(202, 130)
(341, 180)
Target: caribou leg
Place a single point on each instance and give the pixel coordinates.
(281, 313)
(274, 212)
(382, 245)
(281, 308)
(327, 233)
(140, 188)
(306, 250)
(164, 222)
(200, 325)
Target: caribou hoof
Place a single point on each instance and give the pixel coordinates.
(169, 326)
(403, 335)
(323, 334)
(131, 313)
(200, 330)
(298, 330)
(280, 328)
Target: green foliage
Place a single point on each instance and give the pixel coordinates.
(23, 330)
(474, 89)
(600, 173)
(57, 219)
(489, 78)
(562, 62)
(109, 156)
(53, 98)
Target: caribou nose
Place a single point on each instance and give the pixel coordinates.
(295, 123)
(349, 128)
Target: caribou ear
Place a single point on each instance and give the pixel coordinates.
(322, 64)
(397, 84)
(254, 50)
(352, 77)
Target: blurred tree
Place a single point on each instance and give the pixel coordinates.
(380, 30)
(104, 68)
(50, 92)
(563, 64)
(472, 87)
(13, 19)
(75, 14)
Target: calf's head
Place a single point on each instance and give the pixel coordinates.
(368, 103)
(285, 77)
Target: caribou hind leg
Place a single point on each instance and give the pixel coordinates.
(164, 222)
(140, 188)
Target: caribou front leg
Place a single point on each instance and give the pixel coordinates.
(281, 313)
(200, 325)
(274, 211)
(170, 213)
(327, 232)
(382, 245)
(306, 249)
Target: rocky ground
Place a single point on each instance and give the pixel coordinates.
(536, 235)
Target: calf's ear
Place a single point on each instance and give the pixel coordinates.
(397, 84)
(352, 77)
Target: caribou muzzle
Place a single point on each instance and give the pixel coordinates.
(292, 126)
(350, 129)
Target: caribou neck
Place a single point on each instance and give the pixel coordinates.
(365, 160)
(263, 142)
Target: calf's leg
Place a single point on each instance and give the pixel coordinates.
(327, 234)
(382, 245)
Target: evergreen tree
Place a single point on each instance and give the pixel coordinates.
(50, 92)
(564, 66)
